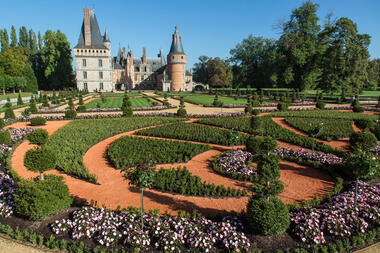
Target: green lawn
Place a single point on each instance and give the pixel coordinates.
(15, 95)
(122, 94)
(209, 99)
(113, 103)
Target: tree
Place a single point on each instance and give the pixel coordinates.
(12, 61)
(217, 73)
(56, 62)
(298, 49)
(4, 39)
(142, 177)
(31, 80)
(13, 37)
(19, 83)
(23, 37)
(373, 74)
(32, 41)
(200, 73)
(181, 112)
(254, 62)
(345, 58)
(40, 45)
(126, 107)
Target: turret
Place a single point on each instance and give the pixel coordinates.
(107, 42)
(177, 63)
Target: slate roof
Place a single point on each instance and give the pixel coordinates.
(176, 47)
(97, 40)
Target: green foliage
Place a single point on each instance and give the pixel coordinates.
(181, 181)
(2, 124)
(282, 106)
(127, 111)
(325, 114)
(70, 114)
(320, 105)
(9, 114)
(362, 164)
(81, 108)
(181, 112)
(74, 139)
(260, 145)
(127, 151)
(330, 128)
(192, 132)
(363, 141)
(36, 199)
(142, 176)
(358, 108)
(19, 99)
(256, 125)
(40, 159)
(33, 107)
(37, 121)
(38, 136)
(71, 104)
(80, 99)
(268, 217)
(45, 101)
(5, 137)
(364, 124)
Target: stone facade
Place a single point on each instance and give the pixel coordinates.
(97, 70)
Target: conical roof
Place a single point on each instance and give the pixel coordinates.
(106, 37)
(97, 40)
(176, 47)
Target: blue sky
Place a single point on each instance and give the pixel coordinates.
(208, 27)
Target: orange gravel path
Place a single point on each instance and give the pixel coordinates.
(301, 183)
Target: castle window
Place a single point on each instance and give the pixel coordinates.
(173, 57)
(85, 51)
(97, 51)
(84, 74)
(85, 86)
(101, 86)
(84, 63)
(104, 51)
(181, 57)
(100, 63)
(81, 51)
(100, 75)
(145, 69)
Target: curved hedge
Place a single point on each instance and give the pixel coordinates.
(128, 151)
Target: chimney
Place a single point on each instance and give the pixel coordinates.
(144, 55)
(124, 53)
(131, 57)
(87, 27)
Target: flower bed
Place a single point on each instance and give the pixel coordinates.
(115, 109)
(19, 133)
(235, 165)
(337, 217)
(7, 188)
(167, 233)
(327, 159)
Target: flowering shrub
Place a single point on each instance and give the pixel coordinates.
(328, 159)
(166, 233)
(7, 188)
(338, 217)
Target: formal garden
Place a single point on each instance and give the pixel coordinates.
(256, 180)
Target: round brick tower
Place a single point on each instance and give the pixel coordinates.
(177, 63)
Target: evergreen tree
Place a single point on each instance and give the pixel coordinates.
(23, 37)
(40, 45)
(126, 107)
(32, 41)
(19, 99)
(13, 37)
(4, 39)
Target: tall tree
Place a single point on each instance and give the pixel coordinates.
(217, 73)
(373, 74)
(13, 37)
(12, 61)
(345, 59)
(200, 70)
(40, 46)
(23, 37)
(298, 48)
(32, 41)
(56, 61)
(4, 39)
(255, 62)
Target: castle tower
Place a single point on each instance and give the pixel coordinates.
(177, 63)
(93, 63)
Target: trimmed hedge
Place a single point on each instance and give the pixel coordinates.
(35, 199)
(259, 145)
(363, 140)
(40, 159)
(5, 137)
(38, 137)
(128, 151)
(38, 121)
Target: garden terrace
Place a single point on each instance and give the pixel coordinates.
(193, 132)
(73, 140)
(117, 103)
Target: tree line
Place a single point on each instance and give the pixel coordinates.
(333, 58)
(29, 62)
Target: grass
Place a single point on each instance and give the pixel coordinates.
(122, 95)
(325, 114)
(209, 99)
(117, 102)
(73, 140)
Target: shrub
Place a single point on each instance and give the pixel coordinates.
(255, 112)
(376, 130)
(181, 112)
(255, 103)
(26, 112)
(259, 145)
(33, 107)
(40, 159)
(268, 217)
(127, 111)
(248, 109)
(320, 105)
(358, 108)
(2, 124)
(363, 140)
(282, 106)
(364, 123)
(70, 114)
(19, 99)
(9, 114)
(5, 137)
(36, 199)
(38, 121)
(81, 108)
(38, 137)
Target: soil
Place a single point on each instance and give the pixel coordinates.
(301, 182)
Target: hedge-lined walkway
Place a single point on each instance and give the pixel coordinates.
(301, 183)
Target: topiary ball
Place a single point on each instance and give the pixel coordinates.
(38, 121)
(38, 137)
(267, 217)
(70, 114)
(181, 112)
(363, 140)
(40, 159)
